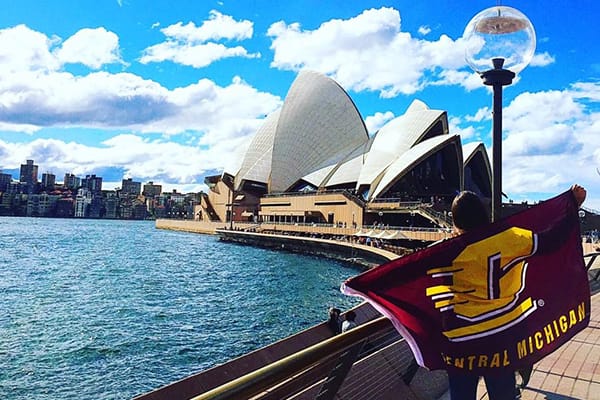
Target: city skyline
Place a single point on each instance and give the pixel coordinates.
(31, 171)
(84, 197)
(173, 92)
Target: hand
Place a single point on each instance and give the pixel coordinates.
(579, 192)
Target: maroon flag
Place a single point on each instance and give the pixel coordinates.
(503, 296)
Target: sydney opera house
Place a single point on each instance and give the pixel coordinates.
(313, 161)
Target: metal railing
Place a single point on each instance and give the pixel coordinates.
(261, 380)
(588, 265)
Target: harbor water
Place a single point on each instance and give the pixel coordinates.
(98, 309)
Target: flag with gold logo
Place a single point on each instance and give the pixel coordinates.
(503, 296)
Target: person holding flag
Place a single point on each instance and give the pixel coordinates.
(486, 302)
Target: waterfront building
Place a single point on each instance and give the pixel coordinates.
(29, 176)
(92, 183)
(152, 190)
(7, 204)
(29, 172)
(130, 187)
(313, 161)
(138, 209)
(48, 181)
(65, 207)
(125, 209)
(82, 203)
(15, 187)
(71, 181)
(5, 180)
(111, 205)
(41, 205)
(90, 205)
(14, 202)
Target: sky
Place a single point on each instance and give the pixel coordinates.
(173, 91)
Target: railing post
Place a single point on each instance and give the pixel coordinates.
(337, 376)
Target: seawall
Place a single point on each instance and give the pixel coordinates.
(362, 255)
(187, 225)
(365, 256)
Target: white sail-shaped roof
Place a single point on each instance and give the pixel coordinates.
(470, 152)
(471, 149)
(318, 126)
(346, 173)
(319, 176)
(256, 165)
(397, 137)
(410, 159)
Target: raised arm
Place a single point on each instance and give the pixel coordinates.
(579, 192)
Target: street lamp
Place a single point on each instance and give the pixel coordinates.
(581, 216)
(500, 42)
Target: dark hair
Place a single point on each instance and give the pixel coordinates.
(350, 315)
(468, 211)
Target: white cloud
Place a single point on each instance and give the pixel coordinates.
(195, 45)
(467, 134)
(24, 128)
(529, 111)
(424, 30)
(222, 117)
(22, 49)
(197, 56)
(135, 155)
(218, 26)
(214, 120)
(482, 114)
(90, 47)
(552, 140)
(51, 98)
(541, 60)
(25, 50)
(384, 58)
(465, 78)
(376, 121)
(586, 91)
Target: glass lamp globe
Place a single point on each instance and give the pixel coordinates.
(499, 32)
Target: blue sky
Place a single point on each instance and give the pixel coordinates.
(172, 91)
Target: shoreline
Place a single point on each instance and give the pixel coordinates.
(352, 253)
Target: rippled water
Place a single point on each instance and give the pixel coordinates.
(112, 309)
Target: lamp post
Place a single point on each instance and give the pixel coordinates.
(231, 208)
(581, 217)
(500, 42)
